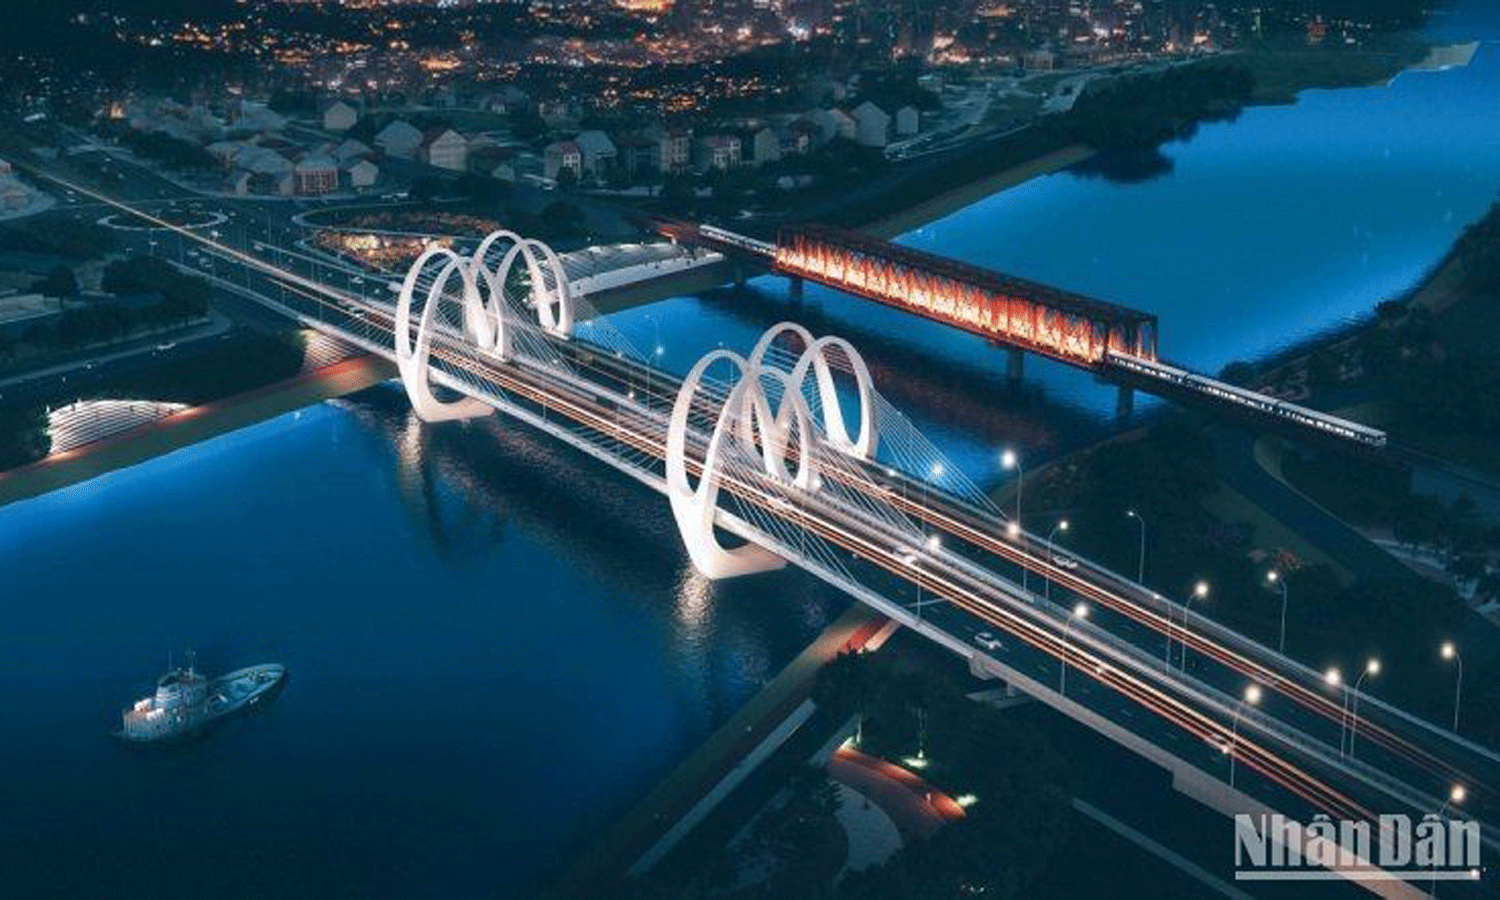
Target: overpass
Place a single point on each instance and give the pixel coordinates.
(1114, 342)
(790, 448)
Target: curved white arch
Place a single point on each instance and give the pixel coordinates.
(775, 430)
(695, 508)
(746, 415)
(486, 318)
(554, 307)
(412, 359)
(814, 358)
(833, 414)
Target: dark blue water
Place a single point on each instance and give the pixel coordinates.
(494, 648)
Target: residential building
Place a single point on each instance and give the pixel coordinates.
(361, 173)
(237, 183)
(637, 154)
(259, 160)
(315, 175)
(717, 151)
(224, 151)
(273, 184)
(350, 149)
(673, 147)
(559, 114)
(797, 138)
(833, 123)
(765, 146)
(908, 121)
(444, 148)
(598, 151)
(339, 116)
(1039, 60)
(872, 125)
(252, 116)
(399, 139)
(560, 156)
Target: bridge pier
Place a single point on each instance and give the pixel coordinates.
(1015, 364)
(1124, 402)
(739, 276)
(794, 285)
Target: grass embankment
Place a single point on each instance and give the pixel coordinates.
(911, 695)
(605, 862)
(1283, 71)
(191, 426)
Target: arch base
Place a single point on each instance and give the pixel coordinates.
(710, 558)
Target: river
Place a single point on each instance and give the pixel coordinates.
(495, 646)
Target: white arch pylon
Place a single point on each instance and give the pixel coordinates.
(746, 414)
(486, 319)
(412, 361)
(815, 358)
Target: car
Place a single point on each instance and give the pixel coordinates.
(1219, 742)
(166, 346)
(1064, 562)
(988, 641)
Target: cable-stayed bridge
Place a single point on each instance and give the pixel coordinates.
(786, 453)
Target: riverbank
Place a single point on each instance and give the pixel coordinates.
(946, 203)
(606, 861)
(191, 426)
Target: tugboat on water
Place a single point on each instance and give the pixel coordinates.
(186, 700)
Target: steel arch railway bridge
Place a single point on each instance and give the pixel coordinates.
(1113, 341)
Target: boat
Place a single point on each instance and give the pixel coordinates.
(187, 700)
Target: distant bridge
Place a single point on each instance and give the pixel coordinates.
(1113, 341)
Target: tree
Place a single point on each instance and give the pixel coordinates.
(425, 188)
(60, 282)
(563, 219)
(23, 436)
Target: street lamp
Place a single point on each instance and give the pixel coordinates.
(933, 544)
(1200, 591)
(1009, 460)
(1274, 579)
(1372, 667)
(1081, 611)
(1456, 795)
(1140, 574)
(1252, 697)
(1450, 651)
(1047, 582)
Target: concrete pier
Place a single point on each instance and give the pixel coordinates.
(1124, 402)
(794, 287)
(1015, 364)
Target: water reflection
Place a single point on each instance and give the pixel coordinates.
(470, 483)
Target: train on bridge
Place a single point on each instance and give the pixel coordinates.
(1249, 400)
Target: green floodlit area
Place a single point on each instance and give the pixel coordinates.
(739, 449)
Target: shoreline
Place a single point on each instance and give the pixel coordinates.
(889, 225)
(191, 426)
(603, 862)
(950, 201)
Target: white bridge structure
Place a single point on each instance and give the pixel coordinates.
(789, 454)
